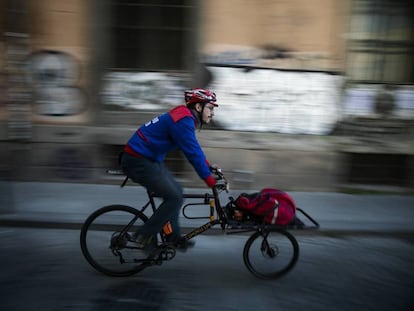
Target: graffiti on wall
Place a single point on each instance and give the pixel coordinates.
(250, 100)
(144, 90)
(54, 76)
(16, 91)
(266, 100)
(362, 100)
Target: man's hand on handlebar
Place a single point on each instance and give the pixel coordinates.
(216, 170)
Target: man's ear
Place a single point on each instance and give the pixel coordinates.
(198, 107)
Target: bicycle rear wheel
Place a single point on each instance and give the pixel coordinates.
(270, 253)
(105, 244)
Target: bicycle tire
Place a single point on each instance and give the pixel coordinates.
(270, 253)
(105, 226)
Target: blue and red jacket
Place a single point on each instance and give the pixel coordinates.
(169, 131)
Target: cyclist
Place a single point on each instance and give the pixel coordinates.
(145, 151)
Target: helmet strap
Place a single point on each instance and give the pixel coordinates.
(200, 114)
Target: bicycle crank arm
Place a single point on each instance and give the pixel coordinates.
(157, 256)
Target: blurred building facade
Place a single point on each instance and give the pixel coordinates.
(314, 95)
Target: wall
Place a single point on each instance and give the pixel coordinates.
(61, 58)
(297, 34)
(70, 142)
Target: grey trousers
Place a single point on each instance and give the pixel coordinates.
(156, 178)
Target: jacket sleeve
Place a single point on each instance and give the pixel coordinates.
(183, 134)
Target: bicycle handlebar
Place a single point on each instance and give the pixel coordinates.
(220, 177)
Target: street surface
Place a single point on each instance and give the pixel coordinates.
(43, 269)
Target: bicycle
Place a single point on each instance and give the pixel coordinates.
(105, 239)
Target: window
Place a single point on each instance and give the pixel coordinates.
(153, 34)
(381, 42)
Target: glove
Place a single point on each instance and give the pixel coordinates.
(210, 181)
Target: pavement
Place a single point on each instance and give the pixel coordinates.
(67, 205)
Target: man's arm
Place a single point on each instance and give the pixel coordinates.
(183, 134)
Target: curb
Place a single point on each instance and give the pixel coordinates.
(327, 232)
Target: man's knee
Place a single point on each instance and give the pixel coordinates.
(175, 197)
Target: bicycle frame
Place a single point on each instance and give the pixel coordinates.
(211, 199)
(214, 201)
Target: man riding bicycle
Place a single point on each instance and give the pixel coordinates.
(145, 151)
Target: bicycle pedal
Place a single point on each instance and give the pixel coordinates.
(168, 253)
(163, 252)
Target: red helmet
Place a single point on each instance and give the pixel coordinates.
(202, 96)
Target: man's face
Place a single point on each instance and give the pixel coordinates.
(208, 112)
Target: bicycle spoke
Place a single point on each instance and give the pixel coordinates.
(271, 254)
(105, 240)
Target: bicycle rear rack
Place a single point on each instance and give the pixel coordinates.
(297, 224)
(300, 225)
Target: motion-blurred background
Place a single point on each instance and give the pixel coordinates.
(314, 95)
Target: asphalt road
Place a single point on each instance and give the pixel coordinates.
(43, 269)
(360, 258)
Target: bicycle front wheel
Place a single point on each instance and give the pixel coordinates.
(105, 240)
(270, 253)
